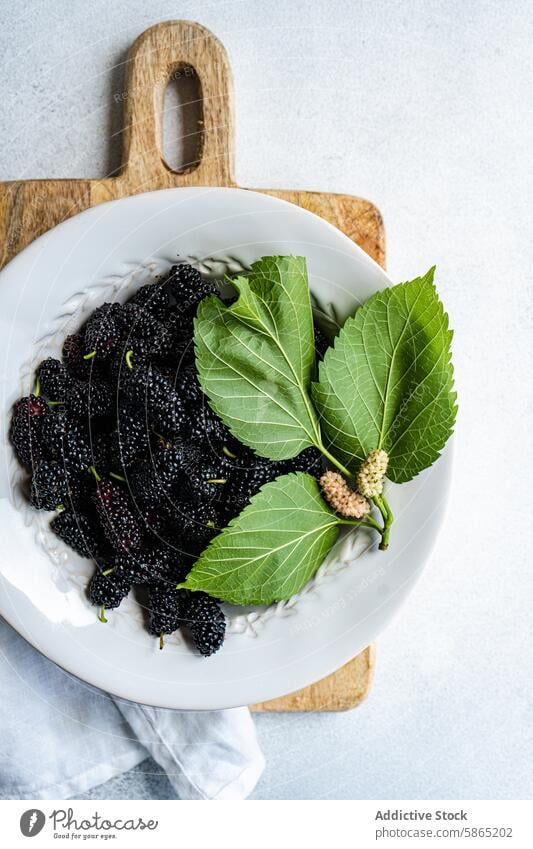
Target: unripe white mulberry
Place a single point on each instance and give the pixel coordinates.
(372, 473)
(344, 500)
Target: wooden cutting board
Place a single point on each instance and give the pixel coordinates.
(29, 208)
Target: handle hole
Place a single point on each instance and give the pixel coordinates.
(182, 120)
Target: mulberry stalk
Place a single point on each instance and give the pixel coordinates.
(372, 473)
(344, 500)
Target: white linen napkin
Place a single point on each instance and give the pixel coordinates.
(59, 736)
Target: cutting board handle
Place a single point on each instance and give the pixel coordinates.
(158, 55)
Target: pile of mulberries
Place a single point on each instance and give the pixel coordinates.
(120, 442)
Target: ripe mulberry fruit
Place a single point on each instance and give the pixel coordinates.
(203, 617)
(198, 521)
(146, 388)
(103, 330)
(145, 333)
(130, 404)
(171, 420)
(189, 287)
(247, 482)
(128, 442)
(164, 604)
(66, 442)
(49, 486)
(118, 519)
(89, 399)
(170, 462)
(180, 328)
(107, 591)
(153, 297)
(145, 567)
(187, 386)
(206, 426)
(144, 485)
(79, 531)
(309, 461)
(322, 343)
(26, 429)
(53, 379)
(202, 479)
(152, 392)
(151, 480)
(73, 357)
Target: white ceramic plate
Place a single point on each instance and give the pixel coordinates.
(45, 293)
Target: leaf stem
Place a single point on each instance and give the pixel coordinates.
(333, 460)
(369, 522)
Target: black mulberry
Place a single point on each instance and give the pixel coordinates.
(207, 426)
(189, 287)
(203, 617)
(198, 521)
(26, 429)
(107, 590)
(53, 379)
(79, 531)
(153, 297)
(322, 342)
(164, 604)
(128, 442)
(89, 399)
(145, 567)
(103, 330)
(49, 486)
(66, 441)
(119, 521)
(73, 357)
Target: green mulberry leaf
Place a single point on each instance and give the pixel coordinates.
(272, 548)
(388, 381)
(256, 358)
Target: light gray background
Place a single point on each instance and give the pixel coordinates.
(425, 108)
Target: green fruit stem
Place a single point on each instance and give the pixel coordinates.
(381, 503)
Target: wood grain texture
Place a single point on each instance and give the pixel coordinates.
(343, 690)
(29, 208)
